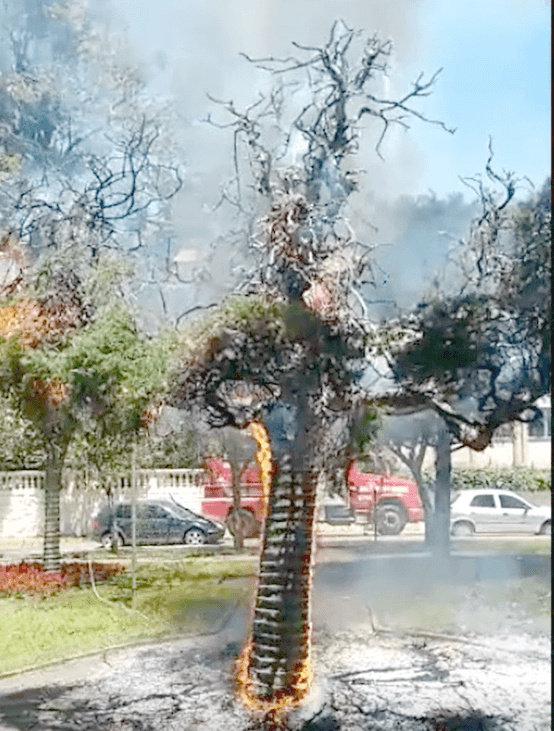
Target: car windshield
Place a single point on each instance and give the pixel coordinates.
(181, 511)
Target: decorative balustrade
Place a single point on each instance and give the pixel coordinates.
(22, 480)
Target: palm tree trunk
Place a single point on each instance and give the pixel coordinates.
(275, 668)
(52, 486)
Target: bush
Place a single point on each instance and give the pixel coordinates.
(521, 479)
(30, 578)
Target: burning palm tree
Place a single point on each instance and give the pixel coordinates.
(287, 355)
(281, 364)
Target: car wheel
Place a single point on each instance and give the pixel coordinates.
(195, 537)
(250, 526)
(391, 519)
(109, 543)
(546, 527)
(462, 529)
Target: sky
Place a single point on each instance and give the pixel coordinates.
(495, 82)
(495, 56)
(411, 205)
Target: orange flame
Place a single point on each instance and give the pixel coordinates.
(263, 458)
(283, 701)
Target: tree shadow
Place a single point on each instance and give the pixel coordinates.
(46, 709)
(472, 721)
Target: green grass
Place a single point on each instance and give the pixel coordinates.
(190, 597)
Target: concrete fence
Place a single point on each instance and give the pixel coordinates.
(82, 495)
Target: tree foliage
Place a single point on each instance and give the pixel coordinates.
(91, 165)
(479, 354)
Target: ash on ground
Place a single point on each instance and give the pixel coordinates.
(365, 679)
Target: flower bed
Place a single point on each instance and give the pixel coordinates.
(30, 578)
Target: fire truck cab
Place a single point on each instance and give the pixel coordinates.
(389, 500)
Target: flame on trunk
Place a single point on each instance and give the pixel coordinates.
(284, 700)
(263, 457)
(273, 709)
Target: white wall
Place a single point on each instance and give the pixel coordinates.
(22, 498)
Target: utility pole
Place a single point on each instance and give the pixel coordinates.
(134, 524)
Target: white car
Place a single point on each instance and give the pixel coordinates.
(496, 511)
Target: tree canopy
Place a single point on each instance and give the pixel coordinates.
(478, 352)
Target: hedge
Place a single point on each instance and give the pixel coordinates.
(523, 479)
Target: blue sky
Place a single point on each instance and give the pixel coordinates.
(496, 81)
(495, 55)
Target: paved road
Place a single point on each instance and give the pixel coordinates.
(334, 544)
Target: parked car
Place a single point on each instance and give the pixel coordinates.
(157, 522)
(496, 511)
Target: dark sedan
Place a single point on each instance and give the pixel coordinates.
(157, 522)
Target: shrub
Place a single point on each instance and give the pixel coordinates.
(30, 578)
(517, 478)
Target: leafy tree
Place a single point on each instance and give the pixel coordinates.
(64, 368)
(291, 350)
(87, 173)
(478, 355)
(21, 446)
(175, 449)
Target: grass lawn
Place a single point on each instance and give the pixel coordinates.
(192, 596)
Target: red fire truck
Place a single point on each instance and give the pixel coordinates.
(390, 500)
(217, 501)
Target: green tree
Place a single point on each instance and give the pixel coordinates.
(65, 373)
(95, 173)
(476, 352)
(21, 446)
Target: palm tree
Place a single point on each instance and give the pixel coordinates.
(288, 353)
(284, 361)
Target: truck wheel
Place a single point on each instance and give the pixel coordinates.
(391, 519)
(250, 526)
